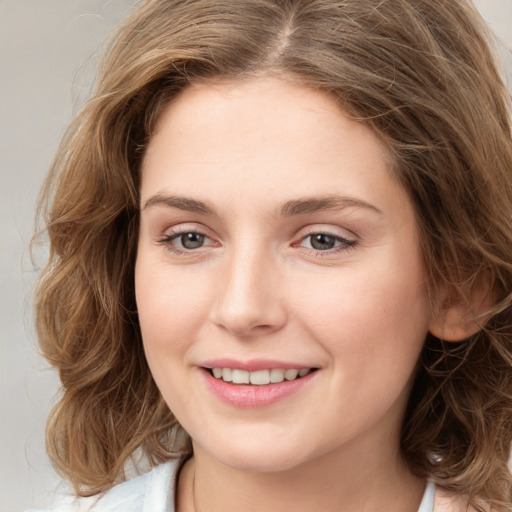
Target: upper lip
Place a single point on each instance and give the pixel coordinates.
(253, 365)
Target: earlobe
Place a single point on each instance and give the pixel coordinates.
(459, 318)
(454, 323)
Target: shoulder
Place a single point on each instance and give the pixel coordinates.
(150, 492)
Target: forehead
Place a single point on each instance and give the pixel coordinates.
(253, 102)
(263, 140)
(268, 111)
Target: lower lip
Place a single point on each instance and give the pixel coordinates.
(251, 396)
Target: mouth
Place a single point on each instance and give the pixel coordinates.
(262, 377)
(258, 382)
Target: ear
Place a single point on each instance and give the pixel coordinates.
(460, 315)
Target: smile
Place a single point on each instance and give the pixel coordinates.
(259, 377)
(257, 387)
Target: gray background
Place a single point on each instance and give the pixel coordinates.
(48, 53)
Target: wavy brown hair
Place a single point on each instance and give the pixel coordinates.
(418, 72)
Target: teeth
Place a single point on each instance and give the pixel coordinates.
(240, 377)
(291, 374)
(260, 377)
(276, 375)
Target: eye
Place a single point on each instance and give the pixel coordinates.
(326, 242)
(189, 240)
(322, 242)
(182, 241)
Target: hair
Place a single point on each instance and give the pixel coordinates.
(420, 73)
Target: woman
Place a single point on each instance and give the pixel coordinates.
(280, 262)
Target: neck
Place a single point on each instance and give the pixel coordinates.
(365, 482)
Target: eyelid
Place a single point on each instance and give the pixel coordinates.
(343, 244)
(170, 234)
(184, 227)
(348, 240)
(327, 229)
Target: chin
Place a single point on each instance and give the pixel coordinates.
(260, 462)
(264, 455)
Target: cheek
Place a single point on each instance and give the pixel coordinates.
(380, 309)
(171, 307)
(171, 311)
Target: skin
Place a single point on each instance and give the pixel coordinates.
(257, 289)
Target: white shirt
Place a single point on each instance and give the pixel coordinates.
(154, 492)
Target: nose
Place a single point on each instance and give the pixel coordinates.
(250, 299)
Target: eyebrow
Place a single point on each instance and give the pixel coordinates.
(315, 204)
(182, 203)
(290, 208)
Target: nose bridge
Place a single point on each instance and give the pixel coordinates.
(249, 299)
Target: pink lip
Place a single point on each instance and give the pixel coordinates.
(248, 396)
(253, 365)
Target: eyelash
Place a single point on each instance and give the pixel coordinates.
(168, 239)
(345, 244)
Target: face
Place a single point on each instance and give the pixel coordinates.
(275, 240)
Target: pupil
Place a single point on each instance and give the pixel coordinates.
(322, 242)
(192, 240)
